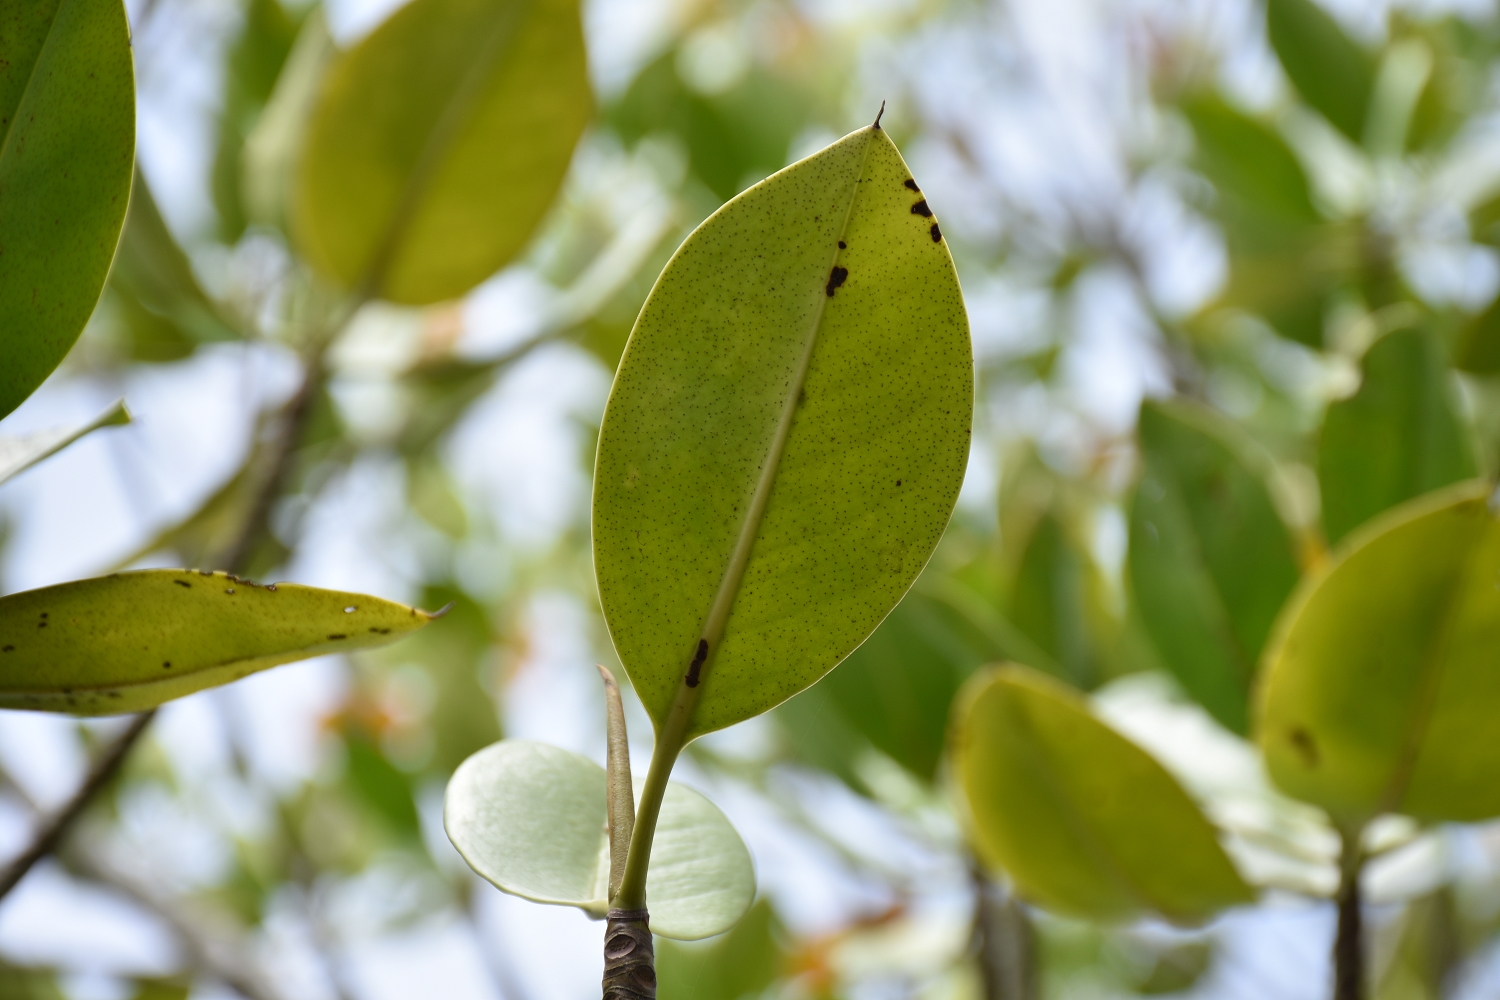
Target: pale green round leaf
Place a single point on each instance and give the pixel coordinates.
(1382, 686)
(1086, 822)
(1210, 560)
(817, 312)
(439, 142)
(531, 819)
(67, 143)
(131, 641)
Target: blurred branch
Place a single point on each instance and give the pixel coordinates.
(53, 831)
(1004, 941)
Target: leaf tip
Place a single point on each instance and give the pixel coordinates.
(879, 116)
(440, 612)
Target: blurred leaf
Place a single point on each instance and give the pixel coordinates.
(730, 136)
(18, 983)
(129, 641)
(1084, 821)
(379, 784)
(1478, 349)
(1381, 693)
(1210, 560)
(269, 154)
(254, 62)
(1397, 438)
(22, 452)
(439, 142)
(1049, 602)
(165, 312)
(1428, 950)
(1174, 968)
(67, 141)
(1329, 70)
(815, 732)
(531, 819)
(442, 391)
(758, 477)
(430, 492)
(1256, 173)
(161, 989)
(744, 962)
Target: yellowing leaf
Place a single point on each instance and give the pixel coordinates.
(438, 143)
(132, 641)
(531, 819)
(1086, 822)
(1381, 688)
(67, 142)
(786, 435)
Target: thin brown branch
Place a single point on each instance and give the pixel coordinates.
(1348, 946)
(57, 826)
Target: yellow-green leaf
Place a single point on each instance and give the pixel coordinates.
(131, 641)
(22, 452)
(438, 143)
(1382, 687)
(1400, 436)
(786, 435)
(1086, 823)
(67, 142)
(531, 819)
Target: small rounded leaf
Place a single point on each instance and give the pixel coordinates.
(438, 143)
(1382, 685)
(786, 435)
(131, 641)
(1086, 823)
(531, 819)
(67, 143)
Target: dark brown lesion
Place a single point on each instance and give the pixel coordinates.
(912, 184)
(697, 665)
(937, 234)
(629, 956)
(1305, 745)
(836, 278)
(920, 208)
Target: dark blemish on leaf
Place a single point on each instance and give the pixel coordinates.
(113, 694)
(898, 482)
(835, 279)
(1305, 745)
(8, 649)
(338, 635)
(920, 208)
(183, 583)
(205, 572)
(843, 245)
(912, 184)
(937, 234)
(41, 624)
(697, 665)
(166, 665)
(879, 116)
(380, 631)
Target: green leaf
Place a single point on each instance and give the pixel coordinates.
(786, 436)
(1381, 690)
(1049, 603)
(742, 963)
(1250, 164)
(531, 819)
(438, 144)
(131, 641)
(1084, 821)
(1329, 70)
(67, 142)
(1396, 438)
(1210, 560)
(1478, 349)
(269, 156)
(20, 453)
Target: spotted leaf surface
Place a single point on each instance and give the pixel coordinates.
(131, 641)
(1086, 823)
(786, 435)
(531, 819)
(1381, 690)
(67, 143)
(438, 142)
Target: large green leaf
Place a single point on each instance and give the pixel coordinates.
(786, 435)
(22, 452)
(67, 142)
(1382, 685)
(1257, 174)
(531, 818)
(1396, 438)
(1049, 602)
(1329, 70)
(439, 142)
(130, 641)
(1211, 561)
(1084, 821)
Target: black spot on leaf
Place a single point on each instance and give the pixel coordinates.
(912, 184)
(1305, 745)
(8, 649)
(167, 665)
(835, 279)
(41, 624)
(937, 234)
(338, 635)
(183, 583)
(843, 245)
(920, 208)
(697, 664)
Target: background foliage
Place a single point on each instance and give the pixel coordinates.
(1284, 215)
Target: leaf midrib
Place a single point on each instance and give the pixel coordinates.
(739, 559)
(41, 53)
